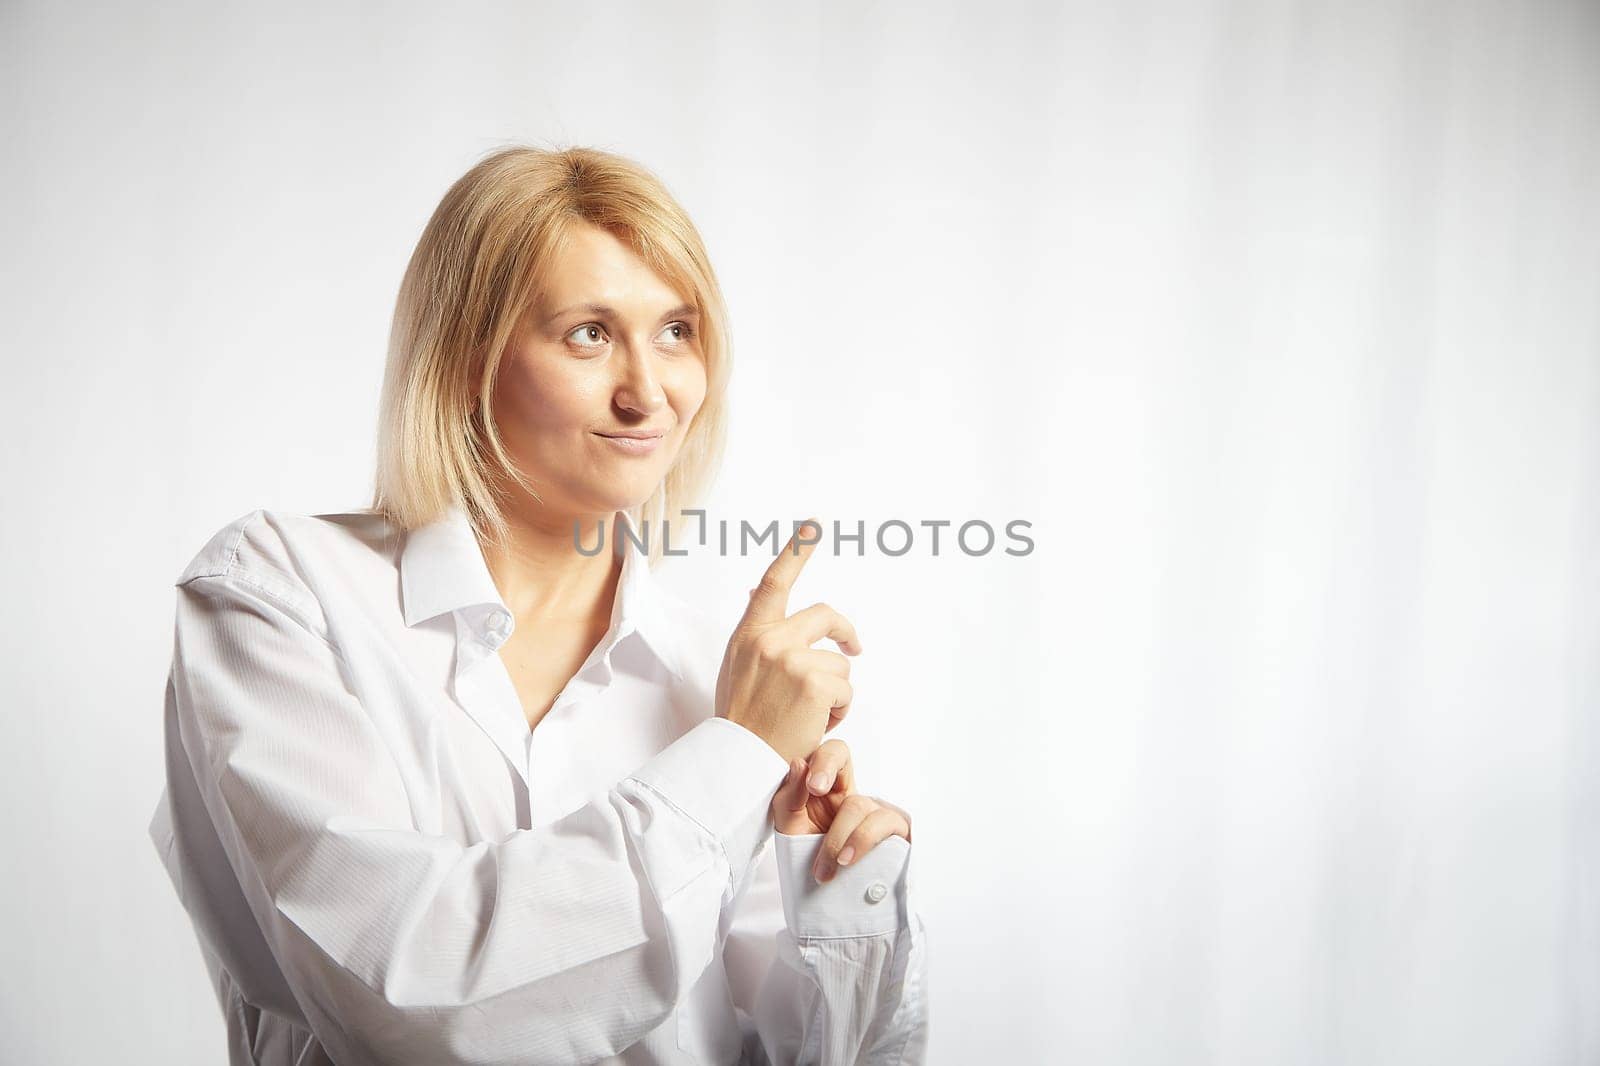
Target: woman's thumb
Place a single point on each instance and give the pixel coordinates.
(792, 796)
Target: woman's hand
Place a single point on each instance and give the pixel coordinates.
(819, 796)
(772, 681)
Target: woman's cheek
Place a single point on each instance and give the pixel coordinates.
(690, 389)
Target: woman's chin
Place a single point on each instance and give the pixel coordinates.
(624, 498)
(602, 492)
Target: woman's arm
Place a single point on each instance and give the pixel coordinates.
(565, 943)
(832, 972)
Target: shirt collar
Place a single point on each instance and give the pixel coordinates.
(442, 569)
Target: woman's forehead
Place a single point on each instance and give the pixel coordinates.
(593, 270)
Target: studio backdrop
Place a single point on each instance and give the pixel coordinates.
(1276, 325)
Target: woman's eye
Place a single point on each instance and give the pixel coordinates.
(588, 336)
(593, 335)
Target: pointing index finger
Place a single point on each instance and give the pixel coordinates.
(769, 600)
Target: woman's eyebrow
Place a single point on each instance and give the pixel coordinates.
(681, 311)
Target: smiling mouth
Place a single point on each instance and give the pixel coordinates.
(634, 443)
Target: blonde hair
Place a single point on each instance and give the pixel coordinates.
(476, 269)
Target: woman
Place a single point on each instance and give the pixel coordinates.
(446, 784)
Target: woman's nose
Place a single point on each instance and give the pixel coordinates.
(639, 389)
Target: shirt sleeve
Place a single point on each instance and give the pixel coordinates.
(564, 943)
(833, 972)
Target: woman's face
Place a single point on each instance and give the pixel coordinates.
(601, 380)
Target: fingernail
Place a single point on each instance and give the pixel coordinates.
(846, 854)
(819, 781)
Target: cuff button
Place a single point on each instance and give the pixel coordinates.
(876, 891)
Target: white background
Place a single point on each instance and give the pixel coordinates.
(1280, 322)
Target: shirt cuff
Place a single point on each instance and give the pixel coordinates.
(866, 898)
(723, 777)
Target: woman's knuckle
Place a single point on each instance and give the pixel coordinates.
(859, 803)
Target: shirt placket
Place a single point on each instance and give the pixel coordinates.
(545, 766)
(483, 688)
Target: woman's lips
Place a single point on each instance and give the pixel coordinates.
(634, 445)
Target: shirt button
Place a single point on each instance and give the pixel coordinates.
(876, 891)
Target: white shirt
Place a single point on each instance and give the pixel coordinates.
(383, 864)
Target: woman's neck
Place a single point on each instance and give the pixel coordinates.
(543, 577)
